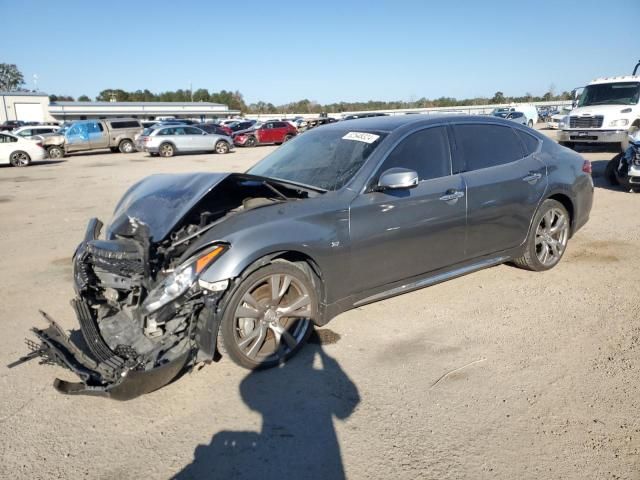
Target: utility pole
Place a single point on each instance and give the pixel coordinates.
(191, 90)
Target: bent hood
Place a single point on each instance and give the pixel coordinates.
(161, 202)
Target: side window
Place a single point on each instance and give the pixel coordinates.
(268, 125)
(484, 146)
(529, 141)
(94, 127)
(166, 131)
(426, 152)
(192, 131)
(25, 133)
(7, 139)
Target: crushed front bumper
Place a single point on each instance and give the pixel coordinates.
(108, 375)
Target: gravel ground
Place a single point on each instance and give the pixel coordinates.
(503, 373)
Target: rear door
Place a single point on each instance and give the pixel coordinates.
(7, 146)
(398, 234)
(197, 139)
(98, 136)
(266, 133)
(505, 182)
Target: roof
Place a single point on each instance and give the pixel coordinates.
(137, 104)
(21, 93)
(623, 78)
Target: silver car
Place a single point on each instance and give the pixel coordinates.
(171, 139)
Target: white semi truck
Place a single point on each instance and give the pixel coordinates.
(607, 111)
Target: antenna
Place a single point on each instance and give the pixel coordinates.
(636, 69)
(35, 82)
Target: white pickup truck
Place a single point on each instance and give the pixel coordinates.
(607, 111)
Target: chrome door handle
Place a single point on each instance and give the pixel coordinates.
(452, 196)
(532, 177)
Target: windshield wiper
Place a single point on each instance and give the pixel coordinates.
(267, 184)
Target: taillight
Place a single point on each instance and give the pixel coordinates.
(39, 144)
(586, 167)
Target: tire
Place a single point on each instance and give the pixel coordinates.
(530, 124)
(166, 150)
(610, 170)
(222, 147)
(549, 233)
(19, 159)
(287, 138)
(55, 151)
(254, 332)
(251, 142)
(126, 146)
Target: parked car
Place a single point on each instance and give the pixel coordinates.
(267, 133)
(178, 121)
(116, 134)
(35, 132)
(166, 141)
(517, 117)
(10, 125)
(530, 112)
(558, 119)
(18, 151)
(149, 123)
(216, 129)
(341, 216)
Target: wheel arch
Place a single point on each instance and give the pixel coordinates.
(169, 142)
(567, 203)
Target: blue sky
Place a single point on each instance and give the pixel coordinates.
(321, 50)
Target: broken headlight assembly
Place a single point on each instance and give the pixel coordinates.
(180, 280)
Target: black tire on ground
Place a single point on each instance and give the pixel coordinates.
(257, 286)
(166, 150)
(530, 259)
(530, 124)
(126, 146)
(222, 147)
(609, 171)
(55, 151)
(19, 159)
(287, 138)
(251, 142)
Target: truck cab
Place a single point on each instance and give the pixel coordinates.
(606, 111)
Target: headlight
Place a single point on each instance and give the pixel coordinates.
(621, 122)
(180, 280)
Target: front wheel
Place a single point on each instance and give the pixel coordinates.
(251, 142)
(19, 159)
(268, 317)
(222, 147)
(55, 152)
(547, 240)
(610, 170)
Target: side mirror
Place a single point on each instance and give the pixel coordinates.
(397, 178)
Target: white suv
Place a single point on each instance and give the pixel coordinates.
(35, 132)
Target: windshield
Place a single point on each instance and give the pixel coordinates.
(325, 159)
(622, 93)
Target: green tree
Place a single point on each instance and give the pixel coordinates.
(201, 95)
(498, 97)
(84, 98)
(10, 77)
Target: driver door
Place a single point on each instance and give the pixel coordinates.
(401, 233)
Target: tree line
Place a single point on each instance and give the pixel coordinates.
(12, 79)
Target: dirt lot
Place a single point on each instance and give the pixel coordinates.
(500, 374)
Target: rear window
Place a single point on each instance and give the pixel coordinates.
(125, 124)
(484, 146)
(529, 141)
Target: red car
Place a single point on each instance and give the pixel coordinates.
(269, 132)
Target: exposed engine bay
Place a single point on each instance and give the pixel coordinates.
(143, 315)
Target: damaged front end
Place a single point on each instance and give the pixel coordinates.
(143, 313)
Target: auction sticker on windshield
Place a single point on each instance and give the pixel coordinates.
(361, 137)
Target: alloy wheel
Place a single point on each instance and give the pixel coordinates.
(19, 159)
(552, 234)
(272, 318)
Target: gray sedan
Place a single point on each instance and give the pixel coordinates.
(197, 265)
(166, 141)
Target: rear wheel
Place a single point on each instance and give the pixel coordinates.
(126, 146)
(166, 150)
(19, 159)
(222, 147)
(547, 240)
(251, 142)
(287, 138)
(55, 151)
(268, 317)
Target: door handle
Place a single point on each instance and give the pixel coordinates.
(533, 177)
(452, 195)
